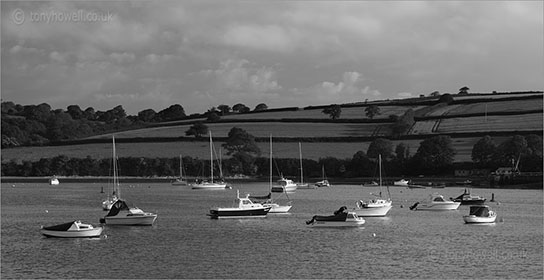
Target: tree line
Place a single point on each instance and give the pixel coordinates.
(434, 156)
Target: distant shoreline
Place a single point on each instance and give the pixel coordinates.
(450, 182)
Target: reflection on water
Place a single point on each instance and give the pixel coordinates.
(185, 243)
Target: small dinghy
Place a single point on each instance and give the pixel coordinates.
(480, 214)
(75, 229)
(340, 218)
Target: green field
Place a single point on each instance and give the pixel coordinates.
(505, 116)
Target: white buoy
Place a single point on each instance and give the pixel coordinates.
(373, 235)
(46, 211)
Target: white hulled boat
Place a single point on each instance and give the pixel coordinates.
(479, 214)
(377, 207)
(324, 182)
(54, 180)
(111, 199)
(267, 200)
(436, 202)
(245, 209)
(122, 213)
(181, 180)
(340, 218)
(284, 185)
(210, 185)
(401, 182)
(75, 229)
(302, 185)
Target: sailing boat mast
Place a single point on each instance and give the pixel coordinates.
(211, 158)
(270, 186)
(116, 189)
(300, 157)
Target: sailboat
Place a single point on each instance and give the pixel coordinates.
(267, 200)
(324, 182)
(121, 212)
(180, 181)
(377, 207)
(111, 199)
(209, 184)
(302, 185)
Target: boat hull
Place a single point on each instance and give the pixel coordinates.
(438, 206)
(275, 208)
(132, 220)
(179, 183)
(471, 219)
(236, 213)
(87, 233)
(209, 186)
(372, 211)
(306, 186)
(280, 189)
(336, 224)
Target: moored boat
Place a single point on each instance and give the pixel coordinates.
(181, 180)
(479, 214)
(436, 202)
(377, 207)
(210, 185)
(340, 218)
(401, 182)
(245, 209)
(74, 229)
(54, 180)
(324, 182)
(284, 185)
(468, 199)
(122, 213)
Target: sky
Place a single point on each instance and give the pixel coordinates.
(202, 54)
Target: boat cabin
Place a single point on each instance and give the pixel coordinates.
(479, 211)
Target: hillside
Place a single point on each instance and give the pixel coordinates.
(466, 120)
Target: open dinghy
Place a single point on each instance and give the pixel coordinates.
(74, 229)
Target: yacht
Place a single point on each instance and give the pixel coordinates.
(436, 202)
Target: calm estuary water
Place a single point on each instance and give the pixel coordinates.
(185, 243)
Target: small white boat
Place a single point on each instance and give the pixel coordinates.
(340, 218)
(324, 182)
(181, 180)
(209, 185)
(284, 185)
(75, 229)
(54, 180)
(123, 214)
(401, 182)
(377, 207)
(436, 202)
(480, 214)
(245, 209)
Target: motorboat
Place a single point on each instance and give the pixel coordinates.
(468, 199)
(245, 209)
(284, 185)
(324, 182)
(74, 229)
(377, 207)
(480, 214)
(340, 218)
(401, 182)
(123, 213)
(436, 202)
(210, 185)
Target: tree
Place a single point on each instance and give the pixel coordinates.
(174, 112)
(212, 115)
(261, 107)
(147, 115)
(243, 149)
(483, 151)
(446, 98)
(333, 111)
(534, 144)
(402, 151)
(360, 164)
(435, 93)
(198, 129)
(404, 123)
(75, 112)
(224, 109)
(435, 155)
(464, 90)
(240, 108)
(372, 111)
(511, 150)
(380, 146)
